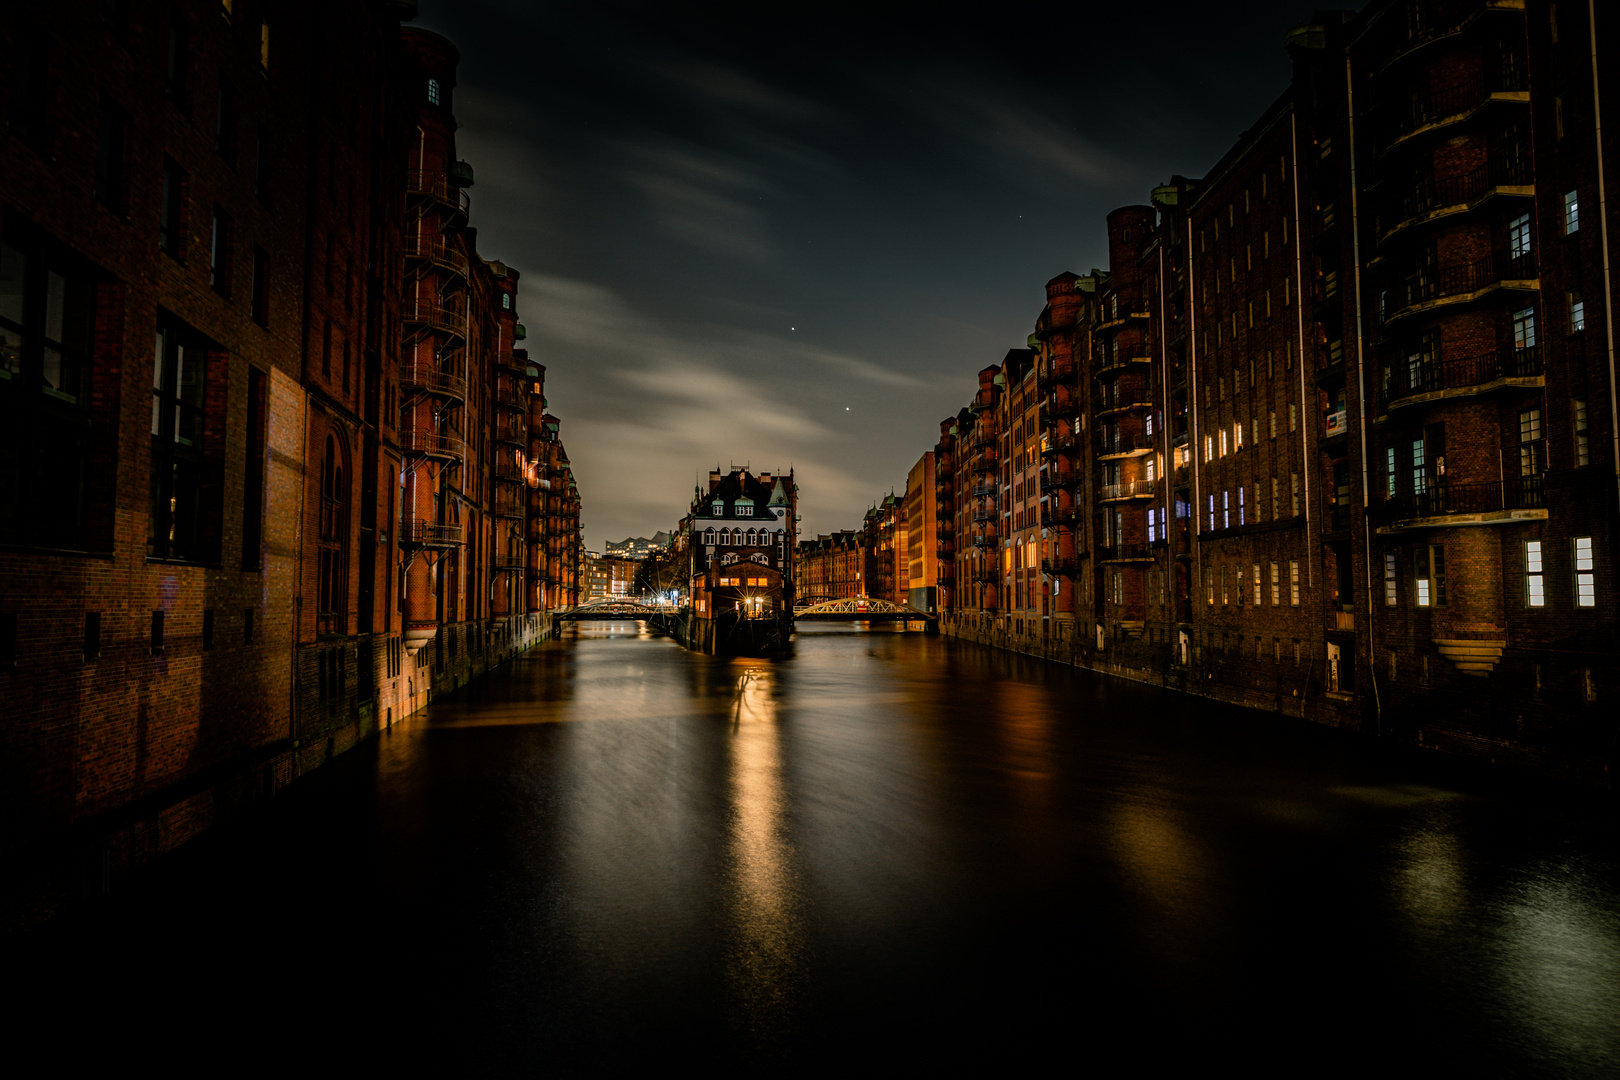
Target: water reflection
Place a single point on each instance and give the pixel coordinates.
(763, 897)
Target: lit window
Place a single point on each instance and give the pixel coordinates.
(1294, 479)
(1208, 448)
(1389, 579)
(1389, 472)
(1585, 578)
(1519, 236)
(1430, 575)
(1529, 442)
(1256, 584)
(1524, 329)
(1209, 586)
(1226, 509)
(1535, 590)
(1276, 586)
(1237, 436)
(506, 301)
(1293, 595)
(1212, 511)
(1293, 422)
(1583, 452)
(1241, 518)
(1577, 312)
(1223, 442)
(1572, 212)
(433, 91)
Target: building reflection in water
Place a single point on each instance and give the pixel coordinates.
(763, 901)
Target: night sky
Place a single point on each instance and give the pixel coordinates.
(784, 243)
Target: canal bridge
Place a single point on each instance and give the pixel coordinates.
(867, 607)
(608, 609)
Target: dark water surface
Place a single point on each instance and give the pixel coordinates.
(889, 849)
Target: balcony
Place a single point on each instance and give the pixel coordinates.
(986, 540)
(1063, 410)
(436, 253)
(1436, 20)
(448, 320)
(1135, 399)
(1122, 446)
(986, 515)
(984, 491)
(416, 533)
(1494, 502)
(986, 461)
(1431, 199)
(1446, 106)
(1062, 515)
(420, 378)
(512, 395)
(415, 442)
(512, 429)
(1427, 288)
(510, 503)
(1419, 381)
(1136, 489)
(1126, 553)
(1067, 567)
(1059, 480)
(1109, 368)
(508, 560)
(436, 188)
(1053, 374)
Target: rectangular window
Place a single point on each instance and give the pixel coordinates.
(1293, 418)
(1257, 584)
(1429, 577)
(92, 636)
(1237, 436)
(108, 188)
(1519, 236)
(1577, 311)
(1223, 442)
(1583, 451)
(1389, 473)
(178, 72)
(1585, 573)
(1242, 520)
(1226, 509)
(1389, 579)
(1529, 442)
(1225, 594)
(1524, 330)
(261, 166)
(1419, 468)
(29, 78)
(1276, 500)
(174, 526)
(1209, 445)
(1212, 511)
(170, 229)
(1293, 586)
(1294, 479)
(219, 254)
(225, 123)
(1273, 423)
(1535, 589)
(261, 289)
(1276, 585)
(264, 48)
(1572, 212)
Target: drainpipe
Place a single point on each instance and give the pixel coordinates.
(1603, 233)
(1299, 311)
(1192, 424)
(1361, 376)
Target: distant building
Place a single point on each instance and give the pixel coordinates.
(639, 547)
(922, 540)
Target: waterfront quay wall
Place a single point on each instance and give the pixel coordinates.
(1475, 722)
(88, 857)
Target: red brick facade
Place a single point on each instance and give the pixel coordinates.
(260, 494)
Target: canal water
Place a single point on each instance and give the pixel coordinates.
(889, 850)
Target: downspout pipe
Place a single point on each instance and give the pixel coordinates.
(1603, 234)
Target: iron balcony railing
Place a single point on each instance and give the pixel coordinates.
(1048, 374)
(511, 395)
(1424, 376)
(1065, 566)
(986, 540)
(1135, 489)
(1057, 481)
(986, 515)
(1063, 410)
(1408, 114)
(416, 376)
(1120, 552)
(437, 252)
(1429, 283)
(436, 186)
(447, 319)
(1428, 194)
(510, 503)
(508, 560)
(1440, 499)
(418, 442)
(414, 532)
(984, 491)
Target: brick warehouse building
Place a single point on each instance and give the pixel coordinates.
(341, 495)
(1333, 433)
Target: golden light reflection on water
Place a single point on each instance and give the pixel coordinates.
(762, 895)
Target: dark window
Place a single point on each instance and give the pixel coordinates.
(171, 227)
(261, 166)
(261, 286)
(47, 316)
(219, 257)
(92, 635)
(175, 529)
(178, 83)
(253, 480)
(8, 641)
(109, 180)
(29, 75)
(225, 123)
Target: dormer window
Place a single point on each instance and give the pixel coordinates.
(433, 91)
(718, 507)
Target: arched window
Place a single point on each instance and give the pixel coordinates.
(753, 538)
(710, 537)
(433, 91)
